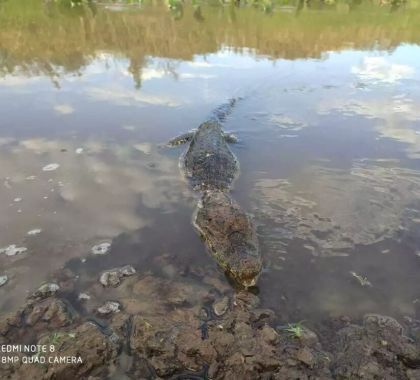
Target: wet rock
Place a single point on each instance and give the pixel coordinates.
(380, 324)
(35, 231)
(92, 350)
(9, 322)
(305, 356)
(246, 300)
(46, 290)
(269, 335)
(51, 312)
(83, 297)
(237, 345)
(221, 306)
(101, 249)
(113, 277)
(376, 350)
(3, 279)
(50, 167)
(13, 250)
(109, 307)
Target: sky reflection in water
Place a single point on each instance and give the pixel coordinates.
(329, 151)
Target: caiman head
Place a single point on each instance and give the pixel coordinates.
(230, 236)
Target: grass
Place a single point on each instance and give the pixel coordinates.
(295, 330)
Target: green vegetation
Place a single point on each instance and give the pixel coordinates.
(295, 330)
(52, 37)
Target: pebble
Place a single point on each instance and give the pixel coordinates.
(12, 250)
(113, 277)
(3, 280)
(101, 249)
(46, 290)
(84, 296)
(109, 307)
(221, 306)
(35, 231)
(305, 356)
(50, 167)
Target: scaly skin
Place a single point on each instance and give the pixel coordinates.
(209, 163)
(230, 236)
(228, 231)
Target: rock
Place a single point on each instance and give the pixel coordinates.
(46, 290)
(84, 297)
(50, 167)
(375, 350)
(109, 307)
(91, 350)
(269, 334)
(305, 356)
(114, 276)
(376, 323)
(101, 249)
(308, 337)
(13, 250)
(221, 306)
(3, 279)
(51, 312)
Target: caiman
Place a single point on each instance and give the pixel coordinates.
(211, 168)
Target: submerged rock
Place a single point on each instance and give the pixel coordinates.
(83, 297)
(50, 167)
(101, 249)
(221, 306)
(375, 350)
(35, 231)
(3, 279)
(109, 307)
(113, 277)
(13, 250)
(46, 290)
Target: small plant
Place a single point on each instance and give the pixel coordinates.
(295, 329)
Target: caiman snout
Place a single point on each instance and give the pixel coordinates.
(230, 236)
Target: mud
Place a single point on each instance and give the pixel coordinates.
(199, 331)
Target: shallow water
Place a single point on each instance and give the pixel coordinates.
(329, 146)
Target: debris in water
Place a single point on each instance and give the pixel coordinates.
(12, 250)
(35, 231)
(145, 148)
(114, 276)
(84, 296)
(3, 279)
(109, 307)
(101, 249)
(362, 280)
(50, 167)
(17, 200)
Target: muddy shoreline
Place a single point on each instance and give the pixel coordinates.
(132, 325)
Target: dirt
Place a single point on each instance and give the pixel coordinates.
(198, 331)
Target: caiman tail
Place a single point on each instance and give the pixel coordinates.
(223, 111)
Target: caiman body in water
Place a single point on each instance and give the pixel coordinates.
(228, 231)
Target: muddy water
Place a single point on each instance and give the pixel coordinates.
(329, 146)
